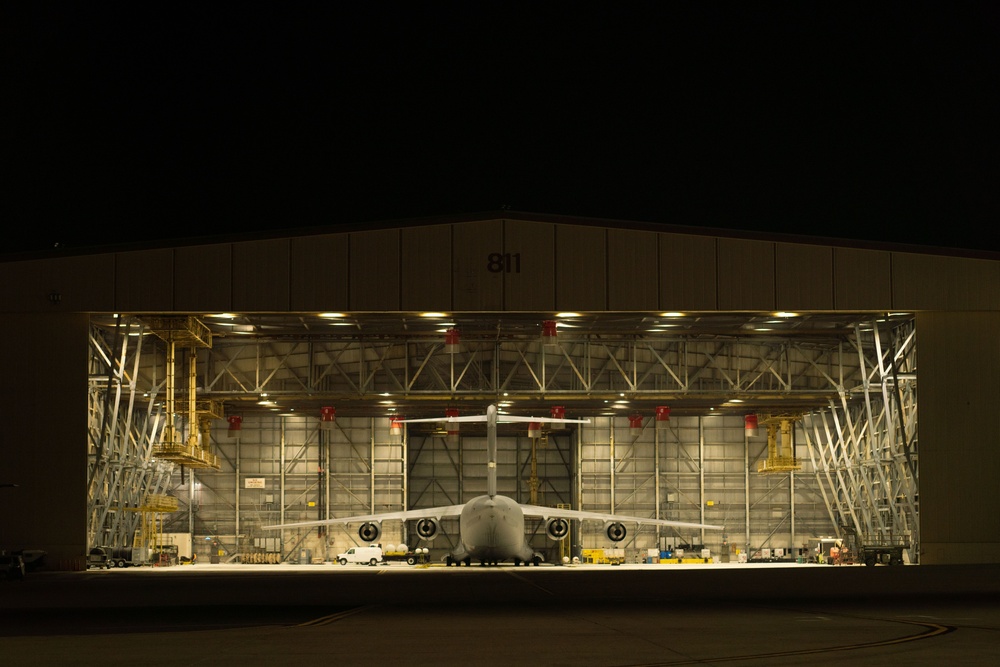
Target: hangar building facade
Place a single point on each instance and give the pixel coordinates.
(768, 384)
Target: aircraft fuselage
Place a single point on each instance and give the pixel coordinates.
(492, 531)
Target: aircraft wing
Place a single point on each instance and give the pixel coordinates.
(549, 420)
(466, 418)
(404, 515)
(549, 512)
(501, 419)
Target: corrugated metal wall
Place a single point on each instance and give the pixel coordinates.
(495, 265)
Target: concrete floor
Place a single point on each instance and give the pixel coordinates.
(752, 614)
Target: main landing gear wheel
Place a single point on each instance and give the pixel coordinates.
(536, 561)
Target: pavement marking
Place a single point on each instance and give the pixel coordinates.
(529, 582)
(332, 618)
(930, 630)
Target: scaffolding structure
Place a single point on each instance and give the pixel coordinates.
(864, 446)
(125, 421)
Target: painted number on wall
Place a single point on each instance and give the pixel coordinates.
(505, 262)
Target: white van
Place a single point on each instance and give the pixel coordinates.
(371, 555)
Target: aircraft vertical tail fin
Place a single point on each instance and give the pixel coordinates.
(491, 450)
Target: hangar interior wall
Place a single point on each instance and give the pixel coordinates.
(694, 470)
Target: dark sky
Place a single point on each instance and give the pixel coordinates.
(138, 121)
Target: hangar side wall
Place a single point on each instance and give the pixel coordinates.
(44, 442)
(959, 379)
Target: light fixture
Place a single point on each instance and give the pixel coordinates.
(662, 416)
(635, 421)
(452, 341)
(549, 334)
(327, 416)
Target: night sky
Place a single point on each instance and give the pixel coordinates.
(139, 121)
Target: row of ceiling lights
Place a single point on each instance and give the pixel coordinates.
(563, 319)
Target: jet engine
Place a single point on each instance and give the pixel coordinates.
(557, 528)
(616, 531)
(427, 528)
(370, 531)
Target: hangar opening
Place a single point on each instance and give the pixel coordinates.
(787, 429)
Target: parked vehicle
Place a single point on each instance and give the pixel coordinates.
(371, 555)
(401, 552)
(99, 557)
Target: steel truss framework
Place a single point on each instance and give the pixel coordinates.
(858, 395)
(574, 368)
(121, 473)
(864, 446)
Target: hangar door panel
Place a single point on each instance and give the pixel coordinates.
(426, 261)
(804, 277)
(318, 273)
(746, 275)
(477, 287)
(581, 268)
(862, 279)
(527, 266)
(375, 270)
(687, 272)
(260, 275)
(633, 275)
(203, 278)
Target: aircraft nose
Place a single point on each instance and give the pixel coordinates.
(490, 503)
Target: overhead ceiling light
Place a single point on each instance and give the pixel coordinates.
(567, 314)
(785, 314)
(432, 314)
(225, 316)
(332, 315)
(671, 314)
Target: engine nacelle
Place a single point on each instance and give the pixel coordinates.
(557, 528)
(616, 531)
(427, 528)
(370, 531)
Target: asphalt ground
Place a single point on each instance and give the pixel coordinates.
(627, 616)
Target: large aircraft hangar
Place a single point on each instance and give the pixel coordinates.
(196, 393)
